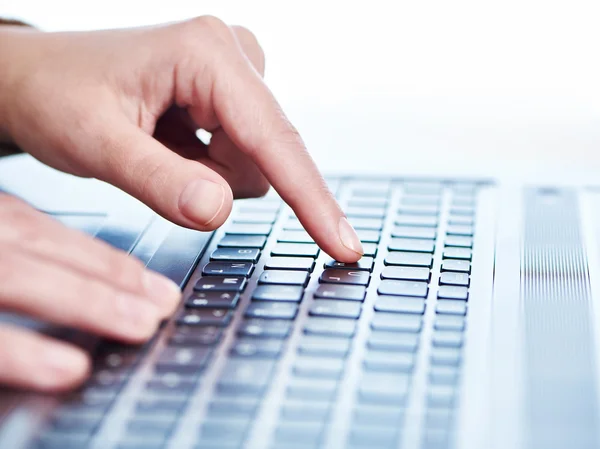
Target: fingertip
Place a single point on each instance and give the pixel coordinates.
(64, 367)
(352, 246)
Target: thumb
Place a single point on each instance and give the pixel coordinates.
(184, 191)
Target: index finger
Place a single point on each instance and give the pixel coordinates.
(250, 115)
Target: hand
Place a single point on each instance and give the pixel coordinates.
(60, 275)
(123, 106)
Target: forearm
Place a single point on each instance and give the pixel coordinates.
(10, 30)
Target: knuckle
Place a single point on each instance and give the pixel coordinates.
(250, 44)
(208, 27)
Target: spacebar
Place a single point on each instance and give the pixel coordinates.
(179, 253)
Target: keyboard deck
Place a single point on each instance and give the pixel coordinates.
(278, 346)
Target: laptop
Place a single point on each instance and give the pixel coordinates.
(468, 324)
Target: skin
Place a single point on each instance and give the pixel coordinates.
(123, 106)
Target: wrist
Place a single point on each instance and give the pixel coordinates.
(11, 65)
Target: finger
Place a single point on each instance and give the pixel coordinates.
(68, 298)
(251, 48)
(185, 192)
(204, 116)
(240, 171)
(33, 361)
(254, 121)
(48, 240)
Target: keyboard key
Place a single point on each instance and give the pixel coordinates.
(424, 209)
(463, 230)
(441, 396)
(257, 348)
(242, 375)
(384, 361)
(347, 292)
(244, 241)
(212, 300)
(462, 266)
(54, 440)
(290, 263)
(445, 356)
(306, 435)
(248, 229)
(447, 339)
(295, 250)
(236, 254)
(364, 264)
(293, 224)
(225, 433)
(284, 277)
(449, 323)
(461, 220)
(367, 202)
(370, 189)
(272, 310)
(317, 388)
(295, 237)
(444, 375)
(454, 278)
(265, 328)
(207, 317)
(413, 232)
(195, 336)
(330, 327)
(320, 368)
(374, 415)
(462, 210)
(417, 220)
(400, 305)
(453, 292)
(370, 249)
(228, 269)
(365, 212)
(412, 245)
(393, 341)
(341, 276)
(259, 205)
(409, 259)
(384, 388)
(182, 360)
(71, 422)
(324, 347)
(451, 307)
(150, 404)
(172, 383)
(367, 236)
(419, 200)
(221, 283)
(406, 273)
(369, 437)
(458, 241)
(403, 288)
(302, 411)
(278, 293)
(335, 309)
(369, 224)
(232, 407)
(394, 322)
(457, 253)
(255, 217)
(422, 188)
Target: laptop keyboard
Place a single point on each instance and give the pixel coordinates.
(276, 345)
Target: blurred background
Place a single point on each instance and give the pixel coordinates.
(412, 86)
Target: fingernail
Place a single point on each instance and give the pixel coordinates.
(62, 364)
(349, 238)
(139, 317)
(161, 290)
(202, 200)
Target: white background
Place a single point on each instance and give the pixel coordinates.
(408, 85)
